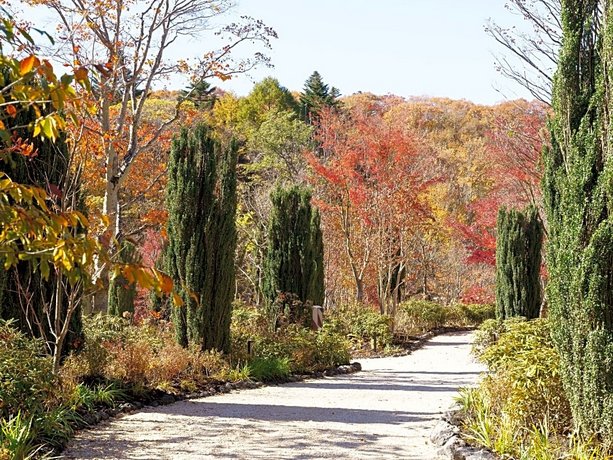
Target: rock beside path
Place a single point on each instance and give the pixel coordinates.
(446, 436)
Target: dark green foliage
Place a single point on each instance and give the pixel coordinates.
(317, 287)
(201, 94)
(579, 201)
(518, 263)
(201, 200)
(315, 97)
(121, 291)
(294, 259)
(23, 292)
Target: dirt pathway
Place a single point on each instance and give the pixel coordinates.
(386, 411)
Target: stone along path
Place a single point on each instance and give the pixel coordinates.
(385, 411)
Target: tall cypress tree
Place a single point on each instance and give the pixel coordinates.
(201, 201)
(518, 262)
(316, 291)
(579, 204)
(294, 259)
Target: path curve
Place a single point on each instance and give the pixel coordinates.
(385, 411)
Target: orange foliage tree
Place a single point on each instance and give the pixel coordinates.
(42, 227)
(514, 145)
(124, 45)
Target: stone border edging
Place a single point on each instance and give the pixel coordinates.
(446, 436)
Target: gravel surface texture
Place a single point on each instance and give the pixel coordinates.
(386, 411)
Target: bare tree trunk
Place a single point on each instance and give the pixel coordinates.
(424, 274)
(359, 289)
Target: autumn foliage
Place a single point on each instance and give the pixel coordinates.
(369, 178)
(410, 190)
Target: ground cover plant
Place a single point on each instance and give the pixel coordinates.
(520, 409)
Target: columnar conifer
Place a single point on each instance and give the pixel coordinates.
(579, 203)
(518, 262)
(294, 260)
(201, 201)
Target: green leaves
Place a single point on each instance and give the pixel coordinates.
(577, 191)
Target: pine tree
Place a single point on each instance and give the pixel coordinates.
(201, 94)
(315, 97)
(201, 201)
(294, 259)
(579, 205)
(121, 292)
(518, 263)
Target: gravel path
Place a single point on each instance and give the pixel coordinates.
(386, 411)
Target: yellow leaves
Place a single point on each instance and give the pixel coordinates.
(31, 231)
(61, 257)
(48, 126)
(44, 269)
(165, 281)
(26, 65)
(177, 300)
(149, 278)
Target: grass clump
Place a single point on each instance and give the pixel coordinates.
(269, 369)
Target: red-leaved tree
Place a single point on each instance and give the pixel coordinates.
(368, 176)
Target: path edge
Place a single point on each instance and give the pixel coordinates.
(446, 435)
